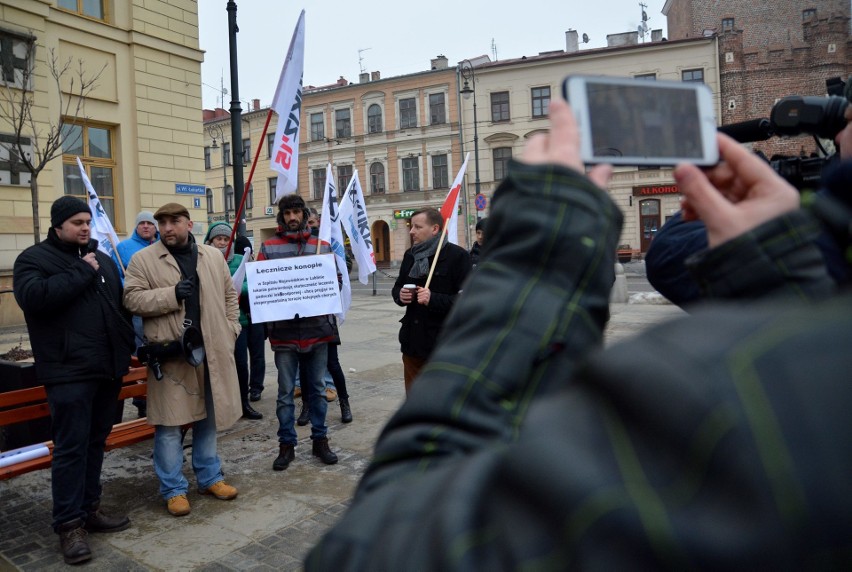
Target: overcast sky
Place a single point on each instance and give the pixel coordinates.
(396, 38)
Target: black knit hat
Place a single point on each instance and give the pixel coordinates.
(64, 208)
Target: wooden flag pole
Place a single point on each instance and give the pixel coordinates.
(117, 255)
(437, 252)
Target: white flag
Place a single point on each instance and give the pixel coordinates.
(353, 217)
(330, 232)
(450, 208)
(287, 103)
(240, 274)
(102, 229)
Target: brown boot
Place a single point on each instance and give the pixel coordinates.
(73, 542)
(99, 521)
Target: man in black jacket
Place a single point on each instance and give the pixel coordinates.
(426, 307)
(82, 340)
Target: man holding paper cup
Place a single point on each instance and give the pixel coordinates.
(427, 288)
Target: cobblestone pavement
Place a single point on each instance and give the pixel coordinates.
(278, 516)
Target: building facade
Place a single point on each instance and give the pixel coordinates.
(400, 134)
(512, 99)
(139, 133)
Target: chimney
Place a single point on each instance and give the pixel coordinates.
(622, 39)
(375, 76)
(342, 81)
(657, 35)
(255, 104)
(439, 63)
(572, 43)
(364, 77)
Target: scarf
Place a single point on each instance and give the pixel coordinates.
(421, 253)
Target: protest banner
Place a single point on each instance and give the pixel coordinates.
(282, 288)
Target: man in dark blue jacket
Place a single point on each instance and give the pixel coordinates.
(70, 293)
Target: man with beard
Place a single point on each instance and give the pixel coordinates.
(175, 284)
(70, 293)
(300, 344)
(426, 307)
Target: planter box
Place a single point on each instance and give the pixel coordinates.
(21, 375)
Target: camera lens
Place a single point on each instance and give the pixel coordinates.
(820, 116)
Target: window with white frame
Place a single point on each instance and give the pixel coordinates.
(374, 118)
(500, 106)
(15, 54)
(318, 177)
(407, 113)
(210, 207)
(501, 156)
(440, 172)
(410, 174)
(226, 153)
(437, 109)
(270, 143)
(377, 179)
(344, 174)
(540, 101)
(12, 171)
(246, 151)
(317, 127)
(646, 76)
(692, 75)
(272, 183)
(207, 162)
(342, 123)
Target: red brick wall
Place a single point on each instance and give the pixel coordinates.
(770, 54)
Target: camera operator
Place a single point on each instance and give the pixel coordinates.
(678, 239)
(714, 441)
(174, 284)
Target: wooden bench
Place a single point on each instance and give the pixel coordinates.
(625, 254)
(28, 404)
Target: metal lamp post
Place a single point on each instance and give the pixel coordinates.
(215, 132)
(469, 76)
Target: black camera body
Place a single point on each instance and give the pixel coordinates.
(190, 346)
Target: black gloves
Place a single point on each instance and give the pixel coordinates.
(184, 289)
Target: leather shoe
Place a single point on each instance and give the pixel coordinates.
(304, 415)
(286, 454)
(73, 542)
(345, 411)
(330, 394)
(250, 412)
(254, 396)
(178, 505)
(322, 450)
(297, 391)
(221, 490)
(99, 521)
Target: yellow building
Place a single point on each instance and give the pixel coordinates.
(401, 134)
(139, 134)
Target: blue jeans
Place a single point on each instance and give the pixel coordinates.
(81, 415)
(327, 380)
(168, 452)
(311, 365)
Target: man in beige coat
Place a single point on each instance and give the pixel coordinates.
(172, 284)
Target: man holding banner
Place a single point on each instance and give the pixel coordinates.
(300, 343)
(426, 302)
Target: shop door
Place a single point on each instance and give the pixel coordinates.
(381, 243)
(649, 222)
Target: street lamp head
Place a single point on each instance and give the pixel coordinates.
(466, 90)
(215, 145)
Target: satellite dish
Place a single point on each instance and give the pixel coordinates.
(585, 38)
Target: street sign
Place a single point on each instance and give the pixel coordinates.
(185, 189)
(480, 201)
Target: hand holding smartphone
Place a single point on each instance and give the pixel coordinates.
(627, 121)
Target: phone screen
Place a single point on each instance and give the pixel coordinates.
(627, 121)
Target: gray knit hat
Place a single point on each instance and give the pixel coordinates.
(218, 229)
(145, 216)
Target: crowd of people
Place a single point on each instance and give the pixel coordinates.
(713, 441)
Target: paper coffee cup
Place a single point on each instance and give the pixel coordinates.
(410, 286)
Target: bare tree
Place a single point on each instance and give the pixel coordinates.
(34, 142)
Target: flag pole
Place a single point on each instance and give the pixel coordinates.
(117, 255)
(248, 182)
(437, 253)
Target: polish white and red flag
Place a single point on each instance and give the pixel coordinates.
(287, 103)
(450, 208)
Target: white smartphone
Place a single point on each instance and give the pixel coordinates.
(626, 121)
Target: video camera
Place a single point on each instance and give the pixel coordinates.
(190, 346)
(797, 115)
